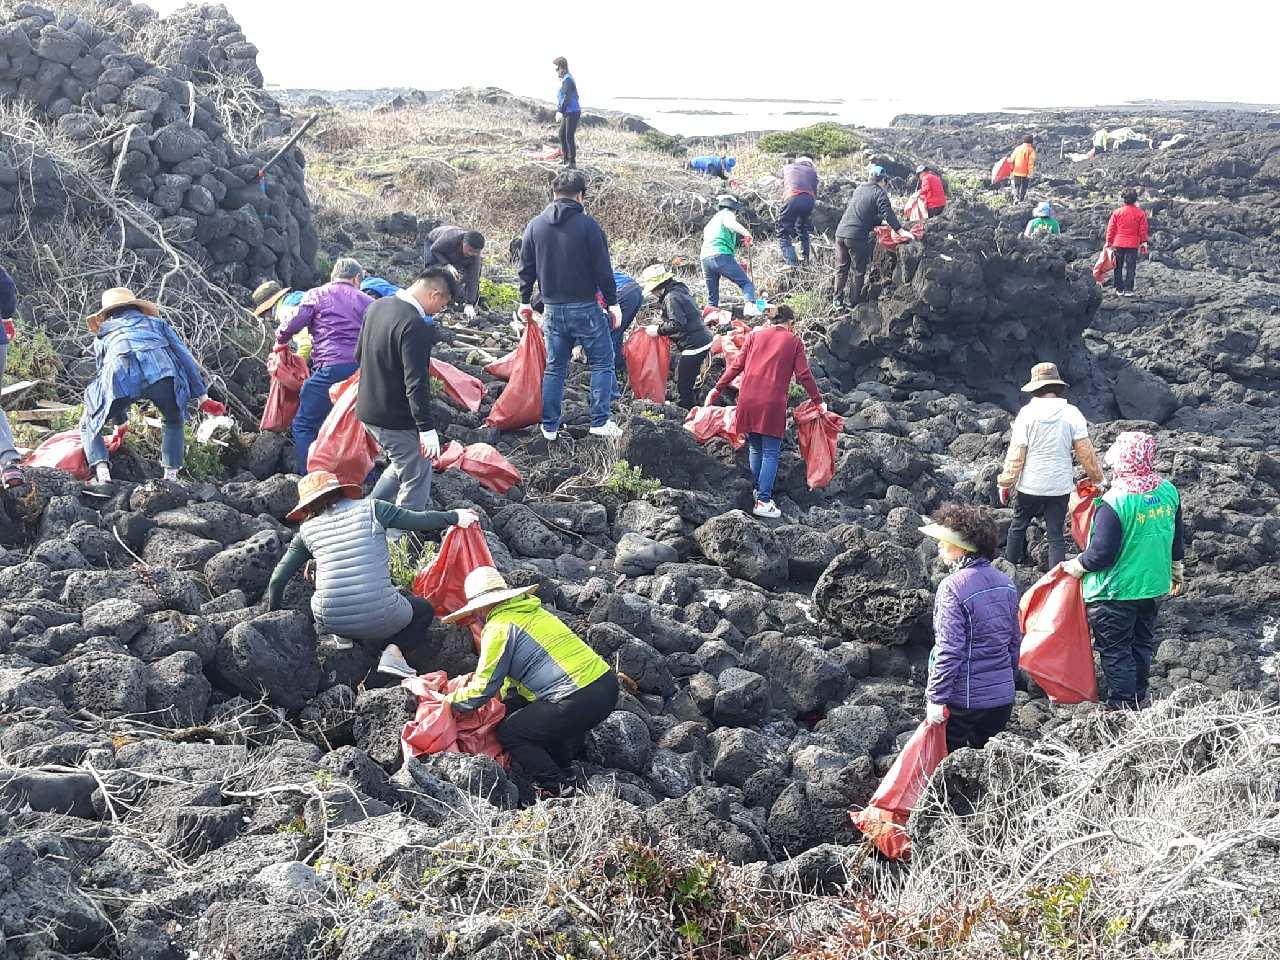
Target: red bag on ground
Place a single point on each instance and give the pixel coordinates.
(461, 551)
(288, 372)
(502, 367)
(478, 729)
(343, 446)
(889, 238)
(482, 461)
(706, 423)
(436, 727)
(459, 386)
(648, 363)
(1000, 172)
(1103, 266)
(64, 451)
(817, 430)
(1080, 509)
(915, 209)
(1056, 651)
(520, 404)
(885, 817)
(729, 345)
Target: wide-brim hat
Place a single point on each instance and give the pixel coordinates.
(485, 587)
(315, 485)
(1043, 375)
(653, 277)
(114, 299)
(267, 295)
(938, 532)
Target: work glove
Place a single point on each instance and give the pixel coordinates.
(651, 329)
(823, 406)
(615, 317)
(906, 235)
(746, 241)
(935, 713)
(1179, 580)
(1144, 251)
(1074, 567)
(10, 329)
(525, 313)
(559, 116)
(467, 517)
(453, 271)
(711, 399)
(430, 443)
(1004, 495)
(212, 407)
(469, 312)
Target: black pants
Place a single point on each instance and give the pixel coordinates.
(934, 211)
(1126, 267)
(973, 728)
(1020, 187)
(411, 640)
(543, 736)
(852, 252)
(160, 394)
(1124, 634)
(569, 138)
(1025, 509)
(687, 370)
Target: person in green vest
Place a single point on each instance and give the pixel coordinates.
(1133, 559)
(1043, 222)
(720, 240)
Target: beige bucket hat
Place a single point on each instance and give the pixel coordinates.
(118, 297)
(314, 486)
(485, 587)
(1044, 375)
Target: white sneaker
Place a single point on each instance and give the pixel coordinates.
(606, 429)
(768, 510)
(393, 663)
(749, 309)
(549, 434)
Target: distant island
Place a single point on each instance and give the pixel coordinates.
(737, 99)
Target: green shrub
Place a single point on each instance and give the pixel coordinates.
(820, 140)
(663, 142)
(32, 356)
(406, 561)
(630, 482)
(499, 296)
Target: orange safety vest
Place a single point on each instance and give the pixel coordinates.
(1024, 160)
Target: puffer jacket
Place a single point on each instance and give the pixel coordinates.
(976, 638)
(1127, 227)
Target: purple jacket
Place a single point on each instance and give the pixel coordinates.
(334, 313)
(976, 638)
(799, 178)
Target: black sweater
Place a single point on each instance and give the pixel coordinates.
(868, 207)
(394, 353)
(682, 320)
(566, 253)
(445, 246)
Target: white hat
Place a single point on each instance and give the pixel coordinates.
(938, 532)
(484, 587)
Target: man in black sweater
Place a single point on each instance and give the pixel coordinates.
(460, 249)
(394, 402)
(868, 208)
(566, 253)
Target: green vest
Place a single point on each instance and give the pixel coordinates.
(718, 239)
(1144, 568)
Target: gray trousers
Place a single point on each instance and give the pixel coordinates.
(407, 481)
(8, 454)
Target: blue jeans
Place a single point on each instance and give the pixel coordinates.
(630, 300)
(569, 324)
(713, 268)
(314, 405)
(764, 463)
(795, 221)
(173, 442)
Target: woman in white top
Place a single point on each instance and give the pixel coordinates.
(1047, 433)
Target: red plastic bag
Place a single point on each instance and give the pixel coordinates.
(1103, 266)
(502, 367)
(889, 238)
(915, 209)
(729, 345)
(479, 460)
(817, 430)
(1000, 172)
(436, 727)
(1081, 507)
(648, 363)
(705, 423)
(459, 386)
(520, 404)
(1056, 651)
(64, 451)
(343, 446)
(478, 729)
(461, 551)
(885, 817)
(288, 372)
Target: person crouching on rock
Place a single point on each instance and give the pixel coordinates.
(354, 597)
(682, 322)
(1133, 559)
(770, 357)
(1046, 433)
(1043, 223)
(975, 625)
(139, 357)
(1127, 232)
(569, 687)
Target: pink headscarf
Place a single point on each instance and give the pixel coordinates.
(1132, 459)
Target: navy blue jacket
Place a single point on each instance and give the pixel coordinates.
(567, 254)
(567, 98)
(8, 300)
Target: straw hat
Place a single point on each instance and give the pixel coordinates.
(266, 296)
(315, 485)
(1043, 375)
(653, 277)
(485, 587)
(938, 532)
(118, 297)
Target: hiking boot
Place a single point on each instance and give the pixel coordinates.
(393, 662)
(549, 434)
(767, 509)
(608, 429)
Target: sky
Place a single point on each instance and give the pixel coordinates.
(931, 55)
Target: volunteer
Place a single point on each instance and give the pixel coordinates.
(1127, 235)
(1043, 223)
(710, 166)
(799, 194)
(721, 238)
(461, 250)
(569, 687)
(855, 235)
(975, 628)
(630, 300)
(682, 322)
(1024, 167)
(10, 472)
(568, 113)
(1134, 558)
(932, 191)
(1037, 472)
(771, 356)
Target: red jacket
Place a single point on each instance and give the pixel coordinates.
(770, 357)
(1127, 227)
(932, 190)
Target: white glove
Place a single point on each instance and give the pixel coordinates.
(823, 405)
(651, 329)
(453, 271)
(906, 234)
(525, 312)
(430, 442)
(935, 713)
(615, 314)
(469, 312)
(1074, 567)
(467, 517)
(559, 116)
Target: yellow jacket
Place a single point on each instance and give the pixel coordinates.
(1024, 160)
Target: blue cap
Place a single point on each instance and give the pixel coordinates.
(1044, 209)
(876, 171)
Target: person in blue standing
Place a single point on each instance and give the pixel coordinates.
(10, 474)
(799, 194)
(630, 298)
(568, 113)
(334, 314)
(566, 253)
(721, 238)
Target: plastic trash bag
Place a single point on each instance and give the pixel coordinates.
(343, 446)
(288, 371)
(65, 451)
(915, 209)
(817, 430)
(1056, 650)
(482, 461)
(520, 404)
(1103, 266)
(648, 363)
(437, 727)
(459, 386)
(885, 817)
(706, 423)
(729, 344)
(502, 367)
(1000, 172)
(462, 550)
(890, 239)
(1080, 509)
